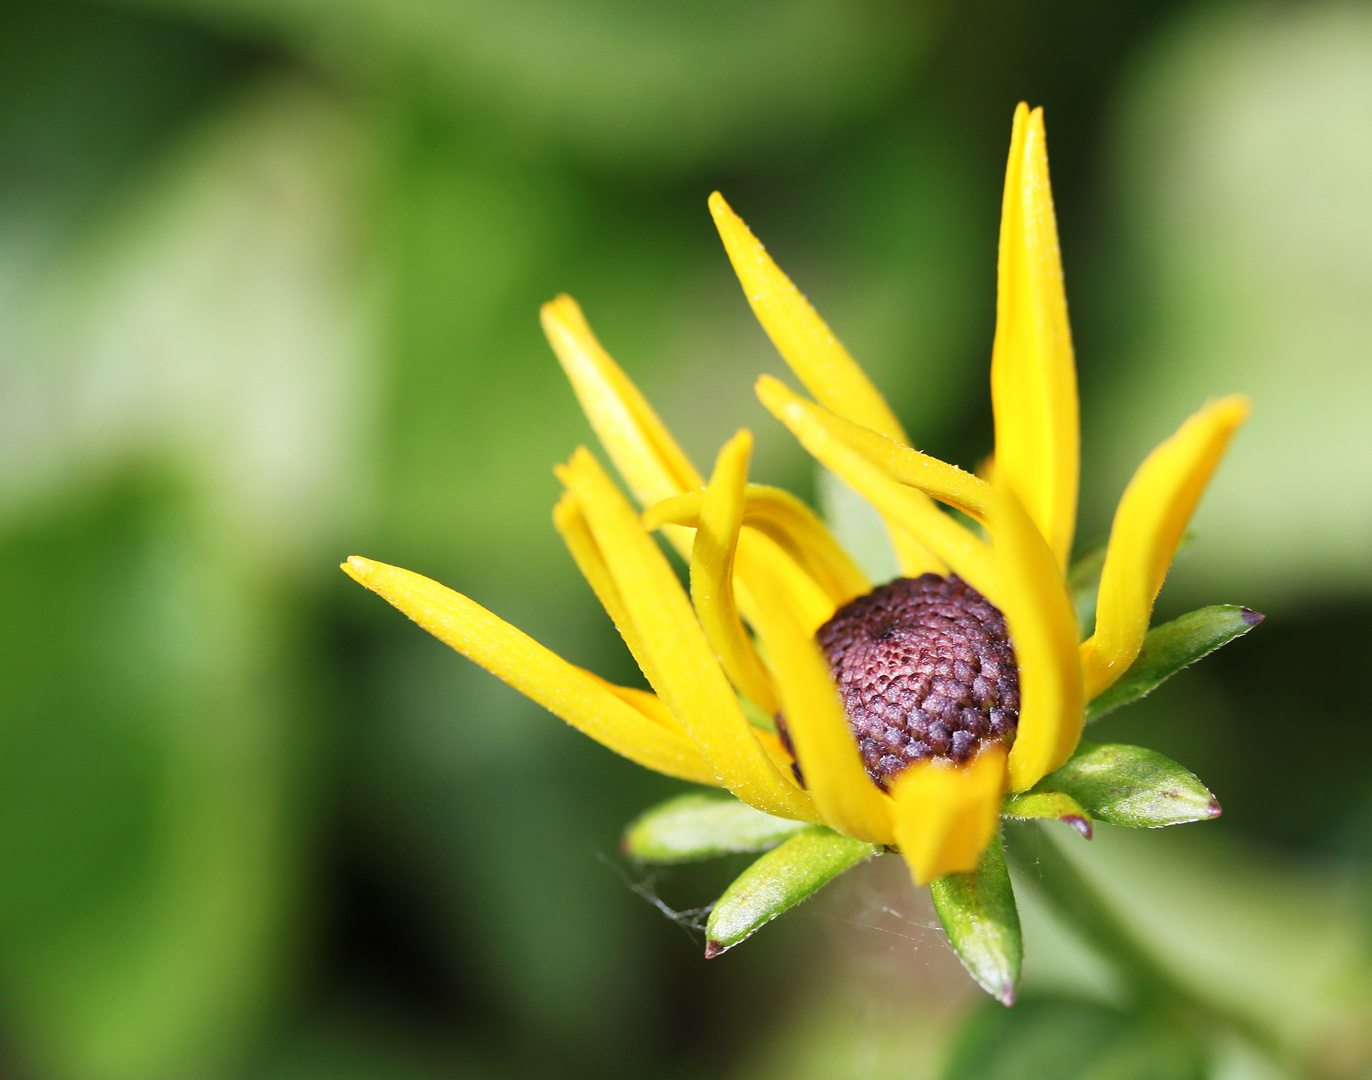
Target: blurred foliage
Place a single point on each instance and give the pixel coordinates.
(269, 275)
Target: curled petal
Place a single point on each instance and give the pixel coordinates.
(581, 699)
(944, 482)
(712, 574)
(946, 815)
(906, 509)
(810, 348)
(761, 560)
(1148, 525)
(1043, 628)
(788, 523)
(570, 522)
(825, 747)
(1033, 373)
(642, 449)
(682, 667)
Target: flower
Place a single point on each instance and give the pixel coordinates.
(766, 575)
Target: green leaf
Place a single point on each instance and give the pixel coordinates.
(1049, 804)
(701, 825)
(1128, 785)
(1058, 1039)
(779, 880)
(981, 920)
(1172, 646)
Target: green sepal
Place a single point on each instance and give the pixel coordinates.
(1049, 804)
(702, 825)
(1131, 786)
(981, 920)
(1172, 646)
(782, 878)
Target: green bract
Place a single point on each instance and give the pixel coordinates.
(1131, 786)
(779, 880)
(982, 923)
(1121, 785)
(1172, 646)
(701, 825)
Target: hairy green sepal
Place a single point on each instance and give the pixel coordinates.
(1131, 786)
(779, 880)
(702, 825)
(1057, 805)
(1172, 646)
(982, 923)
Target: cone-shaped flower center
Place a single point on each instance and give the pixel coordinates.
(926, 670)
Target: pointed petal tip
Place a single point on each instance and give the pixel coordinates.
(1214, 809)
(1006, 996)
(713, 949)
(1251, 617)
(1081, 824)
(356, 567)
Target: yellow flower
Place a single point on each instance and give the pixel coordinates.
(766, 575)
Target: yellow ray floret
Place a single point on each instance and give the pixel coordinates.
(935, 478)
(570, 522)
(1034, 599)
(813, 352)
(688, 678)
(945, 815)
(760, 558)
(810, 348)
(712, 574)
(646, 702)
(825, 747)
(903, 507)
(638, 442)
(789, 524)
(1148, 525)
(1033, 375)
(580, 699)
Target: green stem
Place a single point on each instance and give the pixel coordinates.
(1152, 984)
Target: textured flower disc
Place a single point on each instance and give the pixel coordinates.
(926, 671)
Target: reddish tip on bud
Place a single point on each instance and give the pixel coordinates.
(1006, 997)
(713, 949)
(1215, 809)
(1251, 617)
(1081, 824)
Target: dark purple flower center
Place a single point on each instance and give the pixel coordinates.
(925, 669)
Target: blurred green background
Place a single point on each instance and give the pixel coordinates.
(269, 277)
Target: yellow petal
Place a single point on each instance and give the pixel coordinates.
(712, 574)
(1043, 628)
(646, 702)
(683, 669)
(642, 449)
(825, 748)
(945, 815)
(905, 508)
(789, 523)
(570, 522)
(760, 557)
(810, 348)
(561, 688)
(1033, 375)
(936, 478)
(1148, 525)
